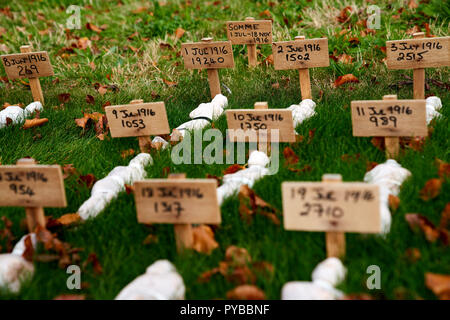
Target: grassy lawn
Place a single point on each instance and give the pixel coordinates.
(127, 54)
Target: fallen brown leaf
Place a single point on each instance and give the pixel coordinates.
(246, 292)
(179, 33)
(70, 297)
(31, 123)
(431, 189)
(394, 202)
(290, 157)
(233, 168)
(345, 79)
(439, 284)
(422, 223)
(204, 241)
(127, 153)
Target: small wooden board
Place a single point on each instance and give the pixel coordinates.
(178, 201)
(208, 55)
(134, 120)
(418, 53)
(247, 123)
(321, 206)
(32, 186)
(389, 118)
(250, 32)
(27, 65)
(301, 54)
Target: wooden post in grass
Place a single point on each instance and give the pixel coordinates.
(389, 118)
(334, 240)
(417, 54)
(250, 32)
(32, 186)
(138, 119)
(333, 207)
(263, 141)
(184, 237)
(392, 144)
(211, 56)
(178, 201)
(301, 54)
(31, 65)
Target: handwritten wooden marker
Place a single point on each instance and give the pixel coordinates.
(332, 206)
(417, 54)
(178, 201)
(32, 186)
(138, 119)
(250, 32)
(256, 125)
(390, 118)
(31, 65)
(301, 54)
(211, 56)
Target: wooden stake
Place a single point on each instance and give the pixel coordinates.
(305, 81)
(213, 77)
(335, 241)
(184, 237)
(35, 215)
(144, 141)
(392, 144)
(263, 146)
(35, 84)
(419, 75)
(251, 50)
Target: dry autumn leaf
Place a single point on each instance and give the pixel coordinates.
(170, 83)
(70, 297)
(246, 292)
(439, 284)
(431, 189)
(31, 123)
(257, 206)
(127, 153)
(204, 241)
(233, 168)
(394, 202)
(92, 27)
(179, 33)
(422, 223)
(445, 217)
(290, 156)
(345, 79)
(443, 169)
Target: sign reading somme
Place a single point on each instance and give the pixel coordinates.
(208, 55)
(32, 186)
(339, 207)
(27, 65)
(389, 118)
(244, 124)
(140, 119)
(183, 201)
(300, 54)
(418, 53)
(250, 32)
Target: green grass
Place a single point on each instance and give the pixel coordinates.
(116, 237)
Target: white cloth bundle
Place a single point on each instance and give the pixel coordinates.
(211, 110)
(109, 187)
(389, 176)
(433, 105)
(302, 111)
(161, 281)
(17, 114)
(325, 277)
(14, 269)
(257, 163)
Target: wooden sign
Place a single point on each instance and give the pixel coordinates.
(27, 65)
(30, 65)
(417, 54)
(208, 55)
(180, 201)
(301, 54)
(33, 187)
(211, 56)
(389, 118)
(245, 124)
(140, 119)
(250, 32)
(320, 206)
(331, 206)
